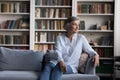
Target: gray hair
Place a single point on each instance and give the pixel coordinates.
(68, 21)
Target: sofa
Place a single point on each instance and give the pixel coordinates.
(16, 64)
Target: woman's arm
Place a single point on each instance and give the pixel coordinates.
(58, 48)
(96, 60)
(87, 48)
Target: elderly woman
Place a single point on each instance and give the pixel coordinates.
(69, 47)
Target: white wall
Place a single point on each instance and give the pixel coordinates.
(117, 29)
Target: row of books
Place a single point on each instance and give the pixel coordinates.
(53, 2)
(52, 12)
(46, 36)
(43, 47)
(106, 41)
(21, 23)
(58, 25)
(95, 8)
(15, 7)
(104, 52)
(50, 37)
(54, 24)
(49, 24)
(14, 39)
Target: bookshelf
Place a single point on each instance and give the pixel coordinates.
(48, 21)
(97, 24)
(14, 23)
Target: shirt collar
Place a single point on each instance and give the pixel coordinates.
(73, 38)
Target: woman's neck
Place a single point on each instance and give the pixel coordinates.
(69, 35)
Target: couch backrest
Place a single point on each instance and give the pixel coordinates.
(16, 59)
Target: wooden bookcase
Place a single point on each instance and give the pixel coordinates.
(14, 23)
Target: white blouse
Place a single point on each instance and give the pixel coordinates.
(70, 52)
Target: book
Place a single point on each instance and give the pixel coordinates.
(1, 39)
(85, 8)
(37, 12)
(82, 25)
(78, 8)
(51, 13)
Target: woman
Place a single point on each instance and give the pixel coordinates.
(68, 48)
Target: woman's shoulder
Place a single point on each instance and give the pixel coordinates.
(60, 36)
(80, 35)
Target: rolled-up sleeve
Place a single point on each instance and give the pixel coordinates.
(87, 48)
(58, 48)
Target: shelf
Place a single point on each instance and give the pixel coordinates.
(95, 1)
(7, 13)
(96, 14)
(100, 46)
(48, 18)
(96, 31)
(45, 6)
(13, 0)
(91, 31)
(44, 42)
(42, 30)
(26, 45)
(14, 30)
(106, 58)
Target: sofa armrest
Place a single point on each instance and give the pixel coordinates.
(90, 68)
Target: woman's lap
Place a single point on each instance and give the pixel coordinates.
(53, 72)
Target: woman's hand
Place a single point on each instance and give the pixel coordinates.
(96, 60)
(63, 66)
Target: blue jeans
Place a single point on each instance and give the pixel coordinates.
(53, 72)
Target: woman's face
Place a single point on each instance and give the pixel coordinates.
(74, 27)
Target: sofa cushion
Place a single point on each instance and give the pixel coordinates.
(16, 59)
(19, 75)
(82, 62)
(32, 75)
(79, 77)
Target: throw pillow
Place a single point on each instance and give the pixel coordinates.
(16, 59)
(82, 62)
(50, 55)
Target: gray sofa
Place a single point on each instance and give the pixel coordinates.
(26, 65)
